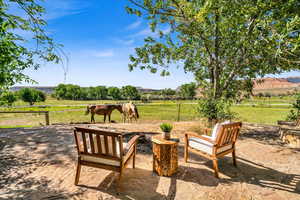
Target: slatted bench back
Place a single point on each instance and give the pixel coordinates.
(228, 134)
(98, 143)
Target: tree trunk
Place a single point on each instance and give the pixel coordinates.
(216, 85)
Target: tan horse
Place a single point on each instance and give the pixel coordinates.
(129, 112)
(102, 110)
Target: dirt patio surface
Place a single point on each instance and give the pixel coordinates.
(39, 163)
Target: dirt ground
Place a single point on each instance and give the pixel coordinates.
(39, 163)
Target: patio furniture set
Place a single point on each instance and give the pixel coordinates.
(106, 150)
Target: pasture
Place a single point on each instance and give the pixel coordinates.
(258, 110)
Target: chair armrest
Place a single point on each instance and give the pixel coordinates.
(132, 142)
(193, 134)
(129, 147)
(207, 130)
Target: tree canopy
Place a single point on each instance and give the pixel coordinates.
(130, 92)
(188, 91)
(7, 98)
(221, 42)
(114, 93)
(17, 52)
(31, 95)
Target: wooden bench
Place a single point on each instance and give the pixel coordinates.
(103, 149)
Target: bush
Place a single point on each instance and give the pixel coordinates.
(214, 109)
(267, 94)
(260, 95)
(8, 98)
(292, 116)
(295, 111)
(165, 127)
(32, 95)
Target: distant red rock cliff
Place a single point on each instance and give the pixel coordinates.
(274, 83)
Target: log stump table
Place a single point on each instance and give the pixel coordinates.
(165, 155)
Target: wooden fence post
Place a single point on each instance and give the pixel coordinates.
(47, 118)
(178, 114)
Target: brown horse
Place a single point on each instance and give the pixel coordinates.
(102, 110)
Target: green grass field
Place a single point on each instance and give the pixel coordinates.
(65, 111)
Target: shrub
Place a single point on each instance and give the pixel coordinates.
(292, 116)
(295, 111)
(267, 94)
(214, 109)
(165, 127)
(8, 98)
(32, 95)
(260, 95)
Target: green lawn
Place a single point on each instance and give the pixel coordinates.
(260, 115)
(73, 111)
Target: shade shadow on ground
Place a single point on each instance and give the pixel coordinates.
(54, 146)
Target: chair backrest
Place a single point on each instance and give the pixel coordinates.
(98, 143)
(228, 134)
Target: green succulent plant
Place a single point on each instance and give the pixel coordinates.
(165, 127)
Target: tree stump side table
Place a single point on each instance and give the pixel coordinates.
(165, 155)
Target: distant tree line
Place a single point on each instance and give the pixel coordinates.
(75, 92)
(184, 92)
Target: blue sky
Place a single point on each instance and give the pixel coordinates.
(98, 37)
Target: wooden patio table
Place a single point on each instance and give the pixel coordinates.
(165, 155)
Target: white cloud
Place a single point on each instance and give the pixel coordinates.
(125, 42)
(134, 25)
(102, 54)
(59, 8)
(54, 8)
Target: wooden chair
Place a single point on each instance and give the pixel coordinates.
(216, 146)
(103, 149)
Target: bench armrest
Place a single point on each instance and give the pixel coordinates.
(132, 142)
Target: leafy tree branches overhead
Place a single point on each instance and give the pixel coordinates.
(17, 52)
(222, 42)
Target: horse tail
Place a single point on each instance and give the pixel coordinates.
(136, 111)
(87, 110)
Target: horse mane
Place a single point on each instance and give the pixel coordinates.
(88, 109)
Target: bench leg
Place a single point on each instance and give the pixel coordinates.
(186, 154)
(77, 173)
(215, 165)
(133, 158)
(186, 149)
(234, 158)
